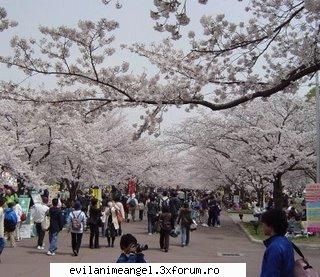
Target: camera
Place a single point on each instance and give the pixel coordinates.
(141, 247)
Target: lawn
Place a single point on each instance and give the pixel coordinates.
(260, 236)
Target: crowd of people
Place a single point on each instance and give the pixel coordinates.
(169, 213)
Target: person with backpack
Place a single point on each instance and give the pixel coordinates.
(152, 211)
(132, 203)
(165, 228)
(76, 224)
(174, 204)
(2, 241)
(185, 220)
(164, 201)
(214, 212)
(56, 225)
(10, 223)
(278, 258)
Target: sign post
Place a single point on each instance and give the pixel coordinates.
(313, 207)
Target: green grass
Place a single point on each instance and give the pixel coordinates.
(260, 236)
(249, 227)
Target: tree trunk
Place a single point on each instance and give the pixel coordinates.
(21, 186)
(73, 190)
(277, 192)
(242, 194)
(260, 192)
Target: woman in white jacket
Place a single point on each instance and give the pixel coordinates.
(112, 222)
(120, 205)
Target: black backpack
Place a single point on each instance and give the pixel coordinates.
(152, 208)
(165, 203)
(132, 203)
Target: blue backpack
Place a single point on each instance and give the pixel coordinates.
(10, 220)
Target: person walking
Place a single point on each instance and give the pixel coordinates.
(174, 204)
(214, 212)
(152, 211)
(278, 258)
(2, 241)
(185, 220)
(10, 223)
(122, 212)
(56, 225)
(141, 207)
(112, 222)
(165, 228)
(132, 203)
(18, 210)
(94, 222)
(76, 223)
(38, 212)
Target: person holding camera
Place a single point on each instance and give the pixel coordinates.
(132, 251)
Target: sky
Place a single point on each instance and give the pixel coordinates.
(135, 26)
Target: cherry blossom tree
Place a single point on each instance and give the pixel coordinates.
(45, 143)
(257, 145)
(276, 49)
(26, 138)
(5, 23)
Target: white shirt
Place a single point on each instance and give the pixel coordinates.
(38, 212)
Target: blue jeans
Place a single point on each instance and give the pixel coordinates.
(151, 222)
(2, 244)
(53, 240)
(185, 235)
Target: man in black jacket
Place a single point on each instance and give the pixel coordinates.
(56, 225)
(174, 204)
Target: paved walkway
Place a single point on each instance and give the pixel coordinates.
(207, 245)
